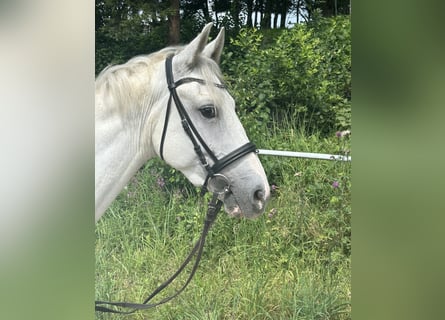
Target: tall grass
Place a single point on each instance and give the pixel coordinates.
(291, 263)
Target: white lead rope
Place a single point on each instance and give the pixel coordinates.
(307, 155)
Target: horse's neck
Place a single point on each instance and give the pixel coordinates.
(119, 154)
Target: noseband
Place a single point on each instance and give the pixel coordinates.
(216, 182)
(192, 132)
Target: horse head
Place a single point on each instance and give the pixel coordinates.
(173, 104)
(210, 109)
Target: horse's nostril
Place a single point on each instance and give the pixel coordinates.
(259, 195)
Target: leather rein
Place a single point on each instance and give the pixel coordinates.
(215, 182)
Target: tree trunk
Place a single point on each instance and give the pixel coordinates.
(236, 8)
(283, 20)
(259, 12)
(265, 21)
(216, 20)
(266, 17)
(206, 11)
(174, 23)
(275, 20)
(298, 10)
(249, 4)
(283, 12)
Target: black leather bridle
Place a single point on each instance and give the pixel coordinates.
(217, 183)
(192, 132)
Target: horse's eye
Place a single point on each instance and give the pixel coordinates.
(208, 112)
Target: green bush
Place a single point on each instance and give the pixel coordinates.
(303, 72)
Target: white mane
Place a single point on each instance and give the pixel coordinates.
(133, 82)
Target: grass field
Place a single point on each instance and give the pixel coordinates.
(293, 262)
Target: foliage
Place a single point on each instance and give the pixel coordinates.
(291, 263)
(304, 72)
(313, 9)
(126, 28)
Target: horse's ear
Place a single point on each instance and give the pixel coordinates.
(191, 51)
(214, 49)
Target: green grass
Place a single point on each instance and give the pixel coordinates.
(294, 262)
